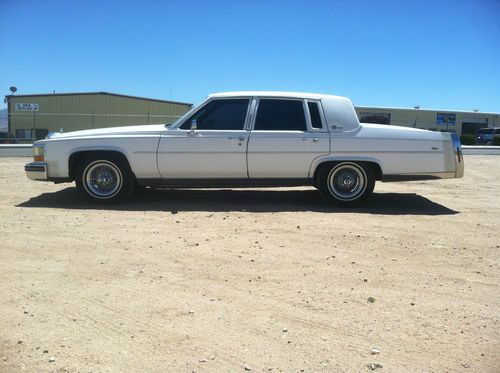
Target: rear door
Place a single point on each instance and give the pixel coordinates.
(287, 135)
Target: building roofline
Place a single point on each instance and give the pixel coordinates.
(432, 110)
(99, 93)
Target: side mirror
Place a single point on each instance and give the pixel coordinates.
(194, 126)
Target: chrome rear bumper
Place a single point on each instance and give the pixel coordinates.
(36, 171)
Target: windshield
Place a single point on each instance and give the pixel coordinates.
(182, 118)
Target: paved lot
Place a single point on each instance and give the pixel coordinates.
(270, 280)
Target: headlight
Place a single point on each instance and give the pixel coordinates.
(39, 153)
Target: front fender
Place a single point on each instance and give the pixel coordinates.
(99, 148)
(77, 154)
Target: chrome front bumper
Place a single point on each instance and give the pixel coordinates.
(36, 171)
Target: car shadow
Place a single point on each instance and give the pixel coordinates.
(261, 200)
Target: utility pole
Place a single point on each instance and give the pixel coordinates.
(33, 135)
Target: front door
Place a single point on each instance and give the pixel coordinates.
(216, 149)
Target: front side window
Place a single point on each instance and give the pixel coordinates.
(220, 115)
(280, 115)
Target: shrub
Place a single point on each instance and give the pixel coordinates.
(496, 140)
(468, 139)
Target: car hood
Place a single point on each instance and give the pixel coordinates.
(155, 129)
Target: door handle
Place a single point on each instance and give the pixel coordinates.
(240, 139)
(314, 139)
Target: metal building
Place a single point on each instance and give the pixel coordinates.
(32, 117)
(461, 122)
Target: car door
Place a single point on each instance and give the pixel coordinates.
(287, 135)
(216, 149)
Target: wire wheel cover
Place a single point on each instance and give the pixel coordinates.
(102, 179)
(347, 181)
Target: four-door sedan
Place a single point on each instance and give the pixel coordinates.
(247, 139)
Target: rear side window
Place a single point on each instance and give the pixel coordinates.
(314, 112)
(280, 115)
(220, 115)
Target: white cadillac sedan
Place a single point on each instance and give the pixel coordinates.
(248, 139)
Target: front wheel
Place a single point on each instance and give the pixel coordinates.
(104, 178)
(346, 183)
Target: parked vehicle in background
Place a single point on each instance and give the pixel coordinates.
(485, 135)
(5, 138)
(248, 139)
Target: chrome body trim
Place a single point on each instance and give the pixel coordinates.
(226, 183)
(417, 177)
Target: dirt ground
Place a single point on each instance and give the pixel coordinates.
(260, 280)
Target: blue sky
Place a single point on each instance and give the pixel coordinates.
(437, 54)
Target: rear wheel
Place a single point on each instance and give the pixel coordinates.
(104, 178)
(346, 183)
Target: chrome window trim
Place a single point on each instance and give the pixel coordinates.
(282, 99)
(321, 116)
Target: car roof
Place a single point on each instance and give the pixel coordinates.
(315, 96)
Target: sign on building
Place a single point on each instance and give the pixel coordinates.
(445, 119)
(26, 107)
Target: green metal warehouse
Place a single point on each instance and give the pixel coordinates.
(33, 116)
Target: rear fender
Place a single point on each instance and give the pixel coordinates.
(332, 158)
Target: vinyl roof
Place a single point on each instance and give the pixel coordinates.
(99, 93)
(316, 96)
